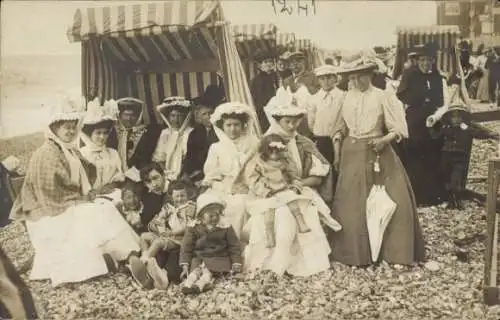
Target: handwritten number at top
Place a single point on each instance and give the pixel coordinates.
(302, 7)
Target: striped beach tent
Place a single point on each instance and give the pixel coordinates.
(249, 39)
(155, 50)
(306, 46)
(445, 37)
(285, 41)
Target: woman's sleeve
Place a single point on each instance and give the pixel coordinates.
(52, 177)
(119, 174)
(255, 180)
(394, 116)
(318, 168)
(211, 169)
(341, 129)
(159, 154)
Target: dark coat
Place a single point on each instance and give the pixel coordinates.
(146, 146)
(263, 87)
(457, 139)
(152, 203)
(199, 141)
(219, 249)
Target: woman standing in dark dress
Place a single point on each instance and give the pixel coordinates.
(423, 90)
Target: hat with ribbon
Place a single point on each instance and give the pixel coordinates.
(97, 113)
(68, 107)
(284, 104)
(359, 63)
(325, 70)
(129, 103)
(175, 101)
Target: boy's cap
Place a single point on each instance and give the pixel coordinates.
(206, 199)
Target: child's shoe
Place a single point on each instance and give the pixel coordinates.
(140, 273)
(159, 275)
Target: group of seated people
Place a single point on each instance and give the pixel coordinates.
(185, 203)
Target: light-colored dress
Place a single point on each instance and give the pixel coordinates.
(365, 116)
(172, 148)
(300, 254)
(222, 169)
(69, 236)
(483, 86)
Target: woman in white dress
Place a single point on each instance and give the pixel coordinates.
(70, 230)
(233, 124)
(97, 124)
(299, 254)
(172, 144)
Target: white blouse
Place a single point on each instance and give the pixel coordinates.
(172, 148)
(108, 165)
(325, 110)
(366, 114)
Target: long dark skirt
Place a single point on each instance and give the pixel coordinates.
(403, 241)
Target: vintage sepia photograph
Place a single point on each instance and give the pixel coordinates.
(250, 159)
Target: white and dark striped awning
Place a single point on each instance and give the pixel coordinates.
(143, 19)
(250, 38)
(445, 37)
(303, 44)
(285, 40)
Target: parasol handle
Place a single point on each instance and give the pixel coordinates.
(376, 170)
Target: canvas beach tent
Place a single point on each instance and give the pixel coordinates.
(307, 47)
(253, 38)
(154, 50)
(444, 37)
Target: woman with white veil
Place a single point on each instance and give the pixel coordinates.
(233, 125)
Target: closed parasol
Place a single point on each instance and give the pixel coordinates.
(379, 211)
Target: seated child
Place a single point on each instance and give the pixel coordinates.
(271, 176)
(457, 131)
(131, 206)
(166, 230)
(208, 247)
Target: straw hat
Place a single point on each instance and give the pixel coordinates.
(284, 104)
(69, 107)
(357, 64)
(97, 113)
(174, 102)
(324, 70)
(296, 55)
(129, 103)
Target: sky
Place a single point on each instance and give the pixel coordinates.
(39, 27)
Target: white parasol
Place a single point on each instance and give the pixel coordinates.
(379, 211)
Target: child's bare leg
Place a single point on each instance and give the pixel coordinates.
(269, 224)
(299, 218)
(157, 245)
(145, 242)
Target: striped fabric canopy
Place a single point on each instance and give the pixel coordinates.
(444, 36)
(285, 40)
(251, 38)
(152, 51)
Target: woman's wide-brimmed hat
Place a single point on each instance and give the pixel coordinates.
(296, 55)
(97, 113)
(129, 103)
(358, 64)
(228, 108)
(170, 102)
(462, 109)
(325, 70)
(68, 107)
(206, 199)
(284, 104)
